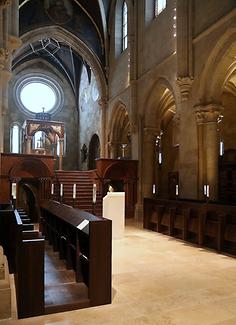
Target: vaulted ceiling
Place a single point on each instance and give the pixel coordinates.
(85, 19)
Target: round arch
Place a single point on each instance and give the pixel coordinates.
(30, 168)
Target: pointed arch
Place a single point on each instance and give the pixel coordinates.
(160, 103)
(76, 44)
(94, 151)
(220, 65)
(120, 130)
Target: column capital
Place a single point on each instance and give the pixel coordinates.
(209, 113)
(14, 42)
(185, 85)
(5, 3)
(4, 54)
(4, 59)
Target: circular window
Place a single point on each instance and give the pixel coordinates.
(38, 93)
(36, 96)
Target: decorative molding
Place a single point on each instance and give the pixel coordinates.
(185, 85)
(210, 113)
(4, 54)
(4, 58)
(14, 42)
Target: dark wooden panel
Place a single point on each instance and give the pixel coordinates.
(84, 240)
(30, 278)
(206, 224)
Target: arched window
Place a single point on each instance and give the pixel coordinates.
(124, 26)
(159, 6)
(39, 140)
(15, 138)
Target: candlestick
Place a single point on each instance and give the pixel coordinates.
(205, 189)
(61, 190)
(94, 193)
(52, 189)
(13, 190)
(176, 190)
(208, 191)
(74, 191)
(153, 189)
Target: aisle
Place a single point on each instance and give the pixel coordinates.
(158, 280)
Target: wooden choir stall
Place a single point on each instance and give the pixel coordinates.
(81, 240)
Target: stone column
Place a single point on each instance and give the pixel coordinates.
(150, 135)
(184, 37)
(61, 142)
(8, 42)
(188, 160)
(104, 150)
(113, 150)
(28, 144)
(207, 118)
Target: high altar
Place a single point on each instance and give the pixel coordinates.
(54, 132)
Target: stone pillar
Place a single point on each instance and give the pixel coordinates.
(184, 38)
(8, 43)
(28, 144)
(188, 144)
(15, 18)
(150, 135)
(139, 204)
(104, 150)
(113, 150)
(207, 118)
(61, 142)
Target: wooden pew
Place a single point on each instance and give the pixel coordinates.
(29, 273)
(205, 224)
(25, 251)
(84, 240)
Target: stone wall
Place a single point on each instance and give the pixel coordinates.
(191, 57)
(67, 113)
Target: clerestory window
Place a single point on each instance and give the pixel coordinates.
(124, 26)
(159, 6)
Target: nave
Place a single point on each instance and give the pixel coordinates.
(158, 280)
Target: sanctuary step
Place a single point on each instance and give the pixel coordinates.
(84, 190)
(62, 292)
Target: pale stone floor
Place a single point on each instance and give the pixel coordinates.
(159, 280)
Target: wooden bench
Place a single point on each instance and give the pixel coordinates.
(84, 241)
(210, 225)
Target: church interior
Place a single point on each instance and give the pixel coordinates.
(129, 102)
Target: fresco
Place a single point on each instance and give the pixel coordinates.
(59, 11)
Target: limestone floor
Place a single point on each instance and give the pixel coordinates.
(159, 280)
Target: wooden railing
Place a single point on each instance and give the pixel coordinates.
(84, 181)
